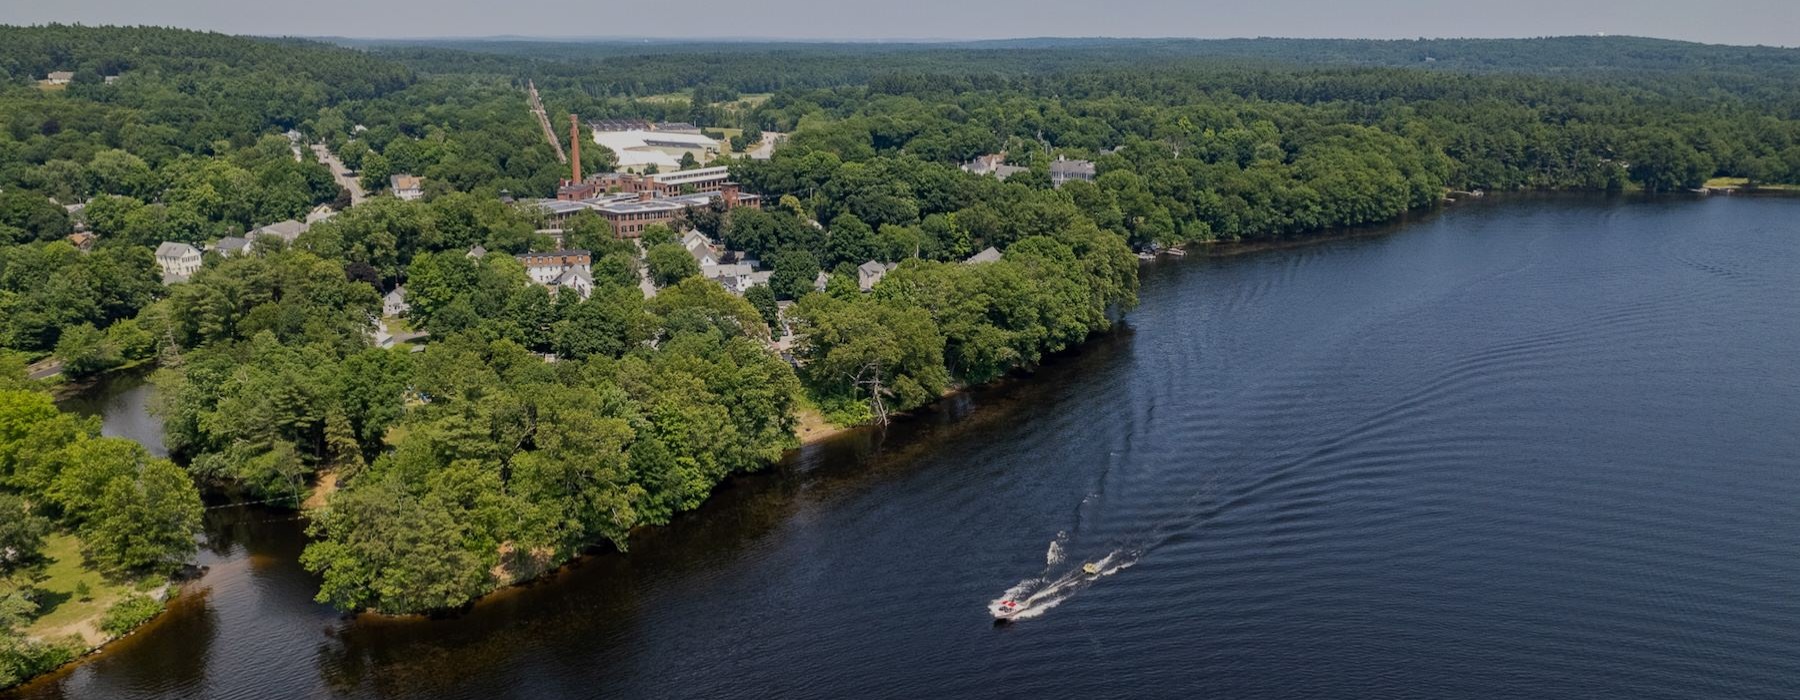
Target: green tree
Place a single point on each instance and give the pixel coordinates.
(22, 533)
(763, 298)
(670, 263)
(891, 358)
(380, 547)
(794, 273)
(84, 352)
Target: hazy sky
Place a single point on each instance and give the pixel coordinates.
(1774, 22)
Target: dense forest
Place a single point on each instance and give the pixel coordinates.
(531, 426)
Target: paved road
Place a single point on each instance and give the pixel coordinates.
(644, 283)
(766, 148)
(44, 370)
(340, 173)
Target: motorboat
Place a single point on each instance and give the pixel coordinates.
(1091, 569)
(1008, 609)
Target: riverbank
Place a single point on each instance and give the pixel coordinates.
(84, 611)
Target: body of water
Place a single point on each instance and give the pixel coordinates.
(1526, 448)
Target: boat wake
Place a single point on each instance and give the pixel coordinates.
(1058, 581)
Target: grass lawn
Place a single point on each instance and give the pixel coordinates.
(1744, 182)
(753, 100)
(65, 612)
(683, 96)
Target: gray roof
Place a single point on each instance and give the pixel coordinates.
(171, 249)
(560, 206)
(570, 275)
(399, 294)
(232, 245)
(285, 230)
(989, 255)
(873, 268)
(717, 271)
(1061, 166)
(618, 124)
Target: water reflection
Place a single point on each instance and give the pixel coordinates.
(122, 401)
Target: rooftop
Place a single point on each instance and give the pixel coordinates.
(682, 177)
(284, 230)
(171, 249)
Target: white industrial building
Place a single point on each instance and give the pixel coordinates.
(638, 149)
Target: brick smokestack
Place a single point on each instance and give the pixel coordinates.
(575, 149)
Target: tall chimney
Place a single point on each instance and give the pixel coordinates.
(575, 149)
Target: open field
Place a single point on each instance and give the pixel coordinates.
(66, 612)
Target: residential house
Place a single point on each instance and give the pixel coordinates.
(734, 276)
(577, 280)
(477, 252)
(702, 248)
(407, 187)
(59, 77)
(287, 231)
(989, 255)
(394, 304)
(233, 245)
(319, 213)
(179, 261)
(83, 240)
(110, 79)
(870, 273)
(992, 164)
(546, 268)
(1065, 170)
(821, 281)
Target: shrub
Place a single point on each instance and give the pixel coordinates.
(125, 615)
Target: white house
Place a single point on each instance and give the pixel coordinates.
(701, 247)
(178, 261)
(394, 304)
(547, 268)
(870, 273)
(407, 187)
(1064, 170)
(577, 280)
(821, 281)
(59, 77)
(734, 277)
(993, 164)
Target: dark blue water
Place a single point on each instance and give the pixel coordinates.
(1533, 448)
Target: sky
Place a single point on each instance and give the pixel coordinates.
(1772, 22)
